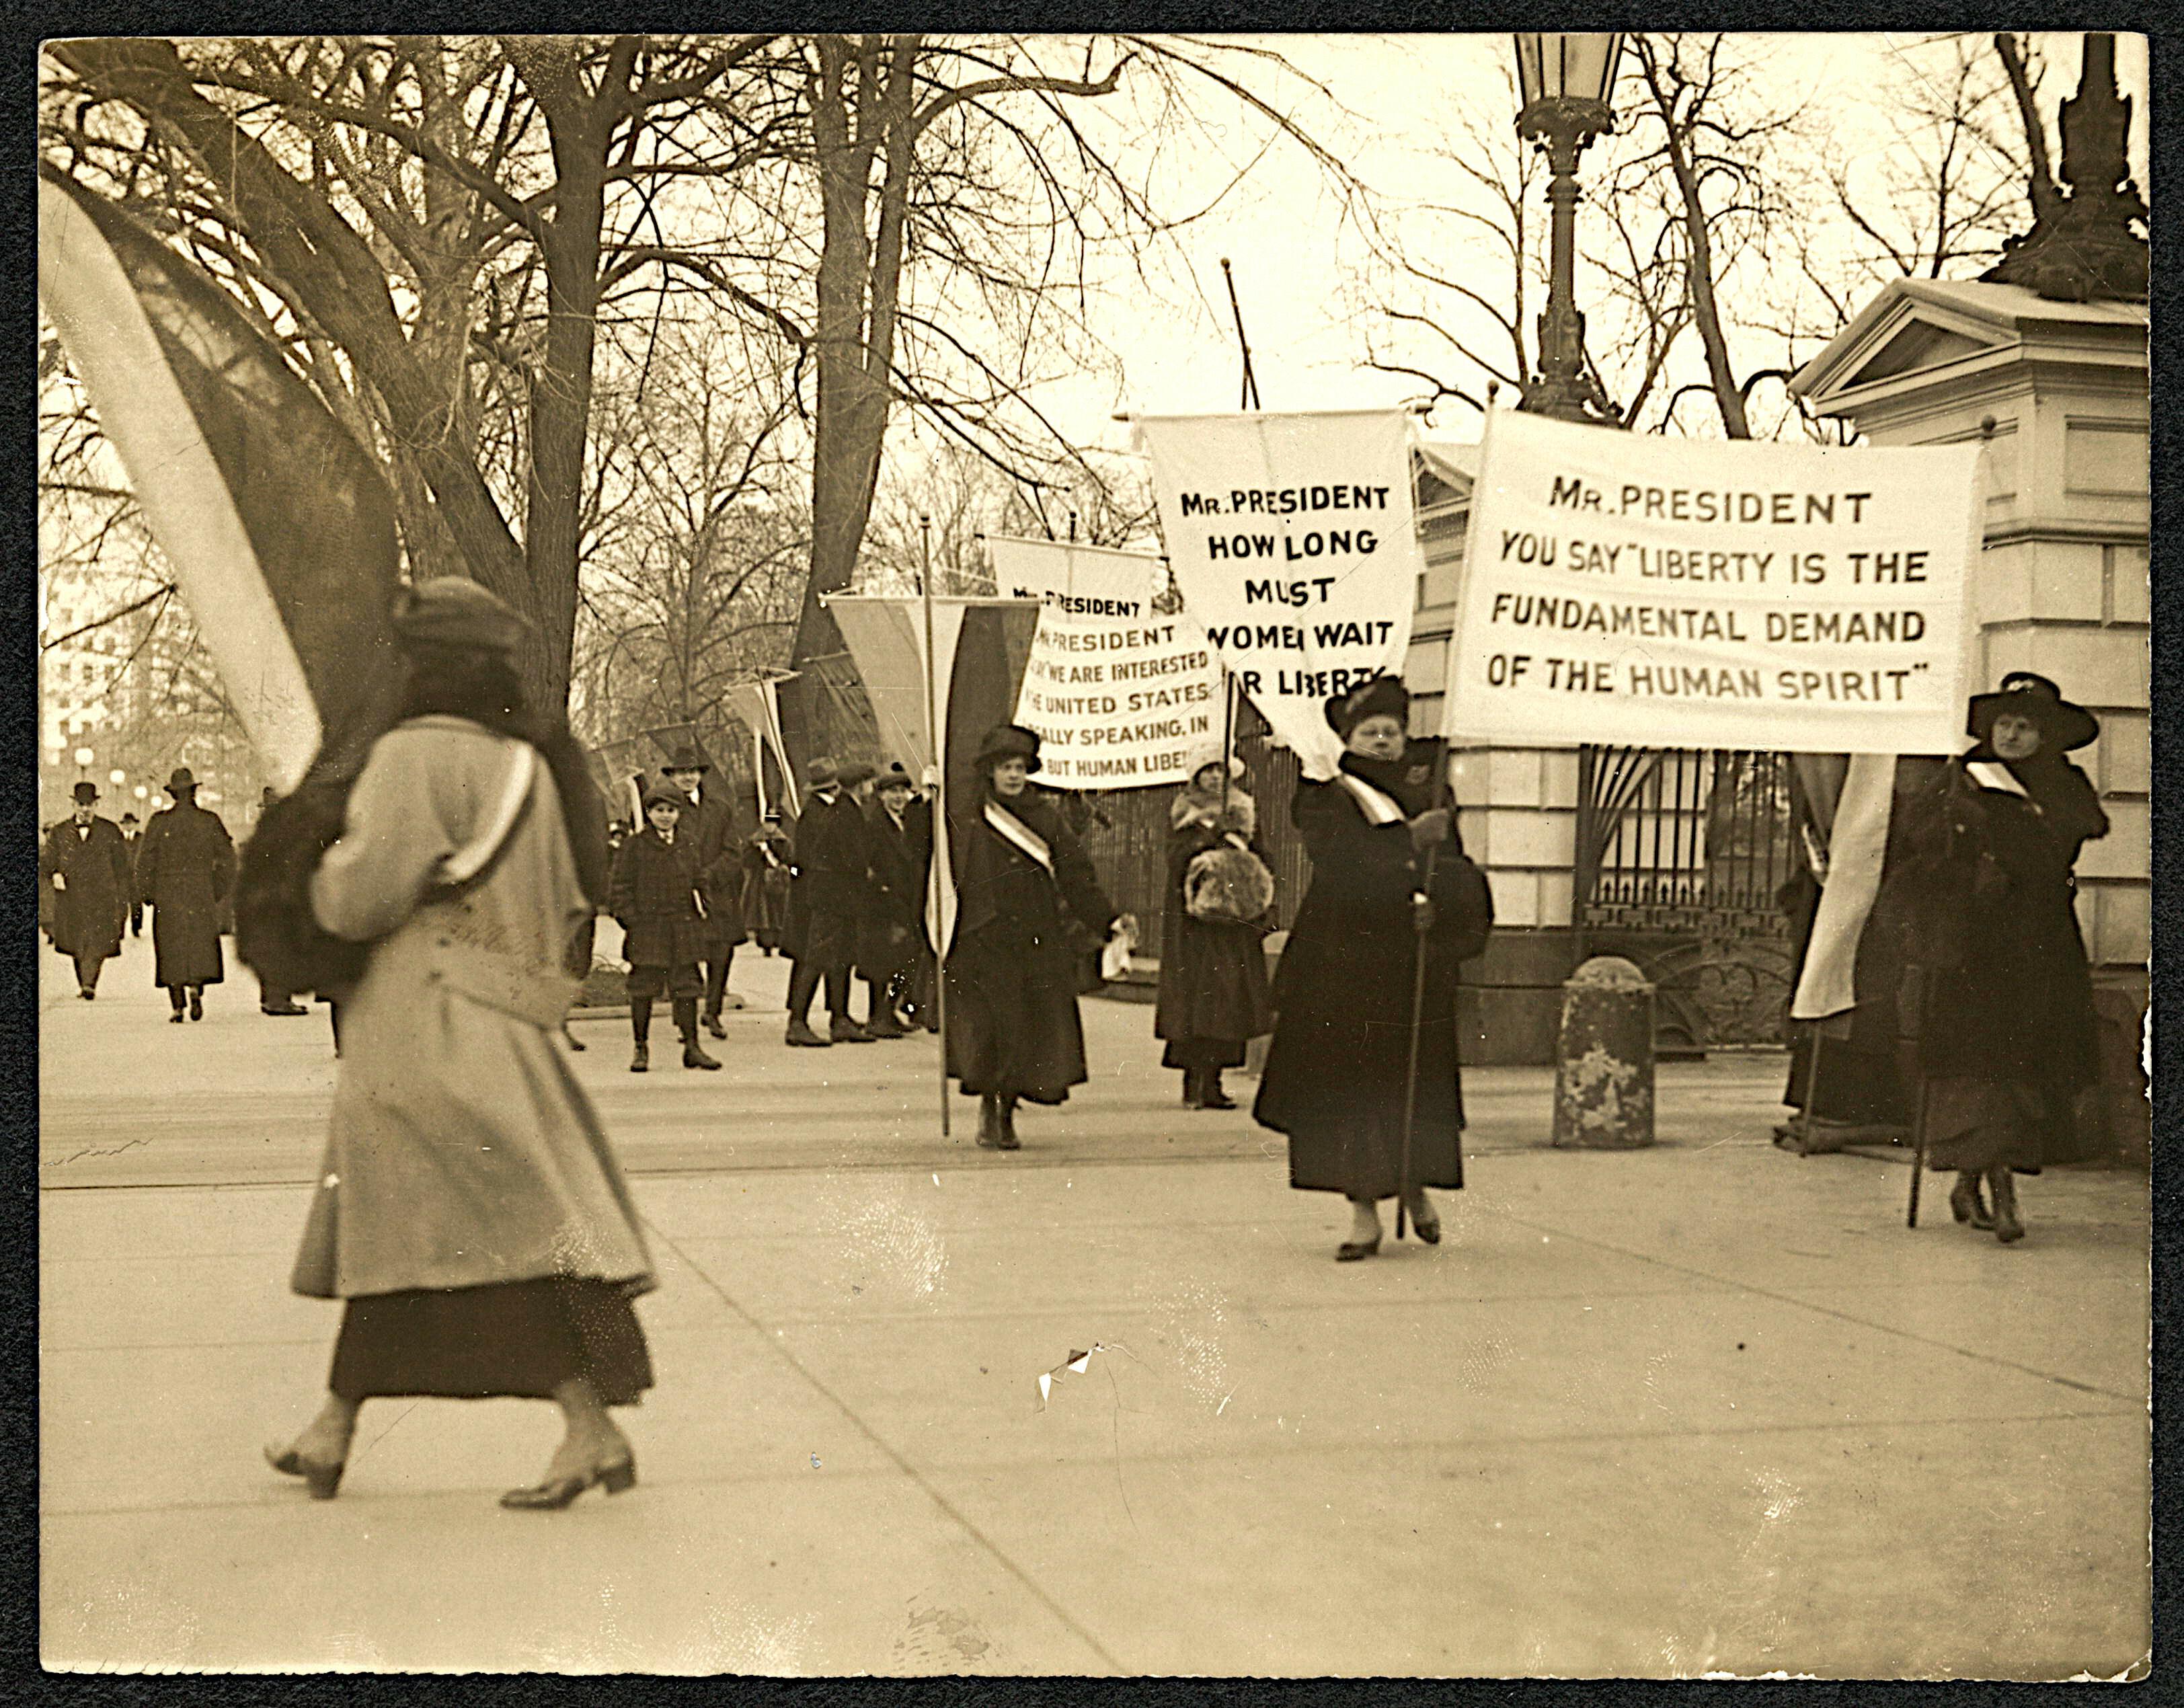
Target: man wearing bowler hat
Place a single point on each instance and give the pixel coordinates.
(85, 868)
(183, 873)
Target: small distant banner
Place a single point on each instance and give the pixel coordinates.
(1292, 540)
(1120, 692)
(1626, 587)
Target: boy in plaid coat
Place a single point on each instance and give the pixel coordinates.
(654, 896)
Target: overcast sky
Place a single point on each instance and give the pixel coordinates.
(1280, 229)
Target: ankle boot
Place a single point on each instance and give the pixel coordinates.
(686, 1023)
(1210, 1094)
(640, 1057)
(2003, 1189)
(1007, 1141)
(1967, 1205)
(1190, 1088)
(990, 1122)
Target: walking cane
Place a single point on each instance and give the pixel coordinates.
(1419, 902)
(1918, 1119)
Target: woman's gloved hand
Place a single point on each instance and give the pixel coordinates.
(1429, 829)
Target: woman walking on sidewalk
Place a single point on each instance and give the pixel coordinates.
(468, 1212)
(1213, 998)
(2007, 1033)
(655, 898)
(1337, 1070)
(1013, 1028)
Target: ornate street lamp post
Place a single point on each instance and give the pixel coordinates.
(1565, 78)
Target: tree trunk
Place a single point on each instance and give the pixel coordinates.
(1705, 312)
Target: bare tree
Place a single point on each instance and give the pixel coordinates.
(419, 222)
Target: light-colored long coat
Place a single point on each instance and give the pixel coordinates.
(463, 1152)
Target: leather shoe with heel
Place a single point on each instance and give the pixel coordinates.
(615, 1476)
(324, 1481)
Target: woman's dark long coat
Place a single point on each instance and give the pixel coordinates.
(1012, 1022)
(766, 885)
(650, 897)
(2007, 1031)
(893, 923)
(1335, 1071)
(89, 915)
(1213, 994)
(184, 865)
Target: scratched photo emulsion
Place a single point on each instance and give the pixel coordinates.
(1454, 729)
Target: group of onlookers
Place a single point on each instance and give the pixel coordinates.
(845, 897)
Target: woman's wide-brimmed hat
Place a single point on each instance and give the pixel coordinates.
(688, 757)
(660, 789)
(453, 610)
(86, 792)
(1382, 696)
(1008, 741)
(182, 778)
(2062, 726)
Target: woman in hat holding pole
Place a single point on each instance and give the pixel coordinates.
(469, 1214)
(1013, 1028)
(184, 869)
(1339, 1069)
(2007, 1031)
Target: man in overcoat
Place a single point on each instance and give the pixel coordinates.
(133, 833)
(895, 902)
(85, 867)
(183, 873)
(709, 822)
(271, 998)
(825, 898)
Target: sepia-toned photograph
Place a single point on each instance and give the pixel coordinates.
(1455, 729)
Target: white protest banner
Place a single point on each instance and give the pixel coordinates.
(1291, 536)
(1119, 692)
(1698, 593)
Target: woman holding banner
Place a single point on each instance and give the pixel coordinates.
(1338, 1074)
(2007, 1032)
(1213, 998)
(1021, 877)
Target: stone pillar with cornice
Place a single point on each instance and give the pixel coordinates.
(2058, 392)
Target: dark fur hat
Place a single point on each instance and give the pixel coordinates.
(1382, 696)
(1008, 741)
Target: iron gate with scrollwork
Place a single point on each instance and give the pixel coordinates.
(1680, 858)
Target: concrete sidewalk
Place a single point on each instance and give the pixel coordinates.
(1705, 1407)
